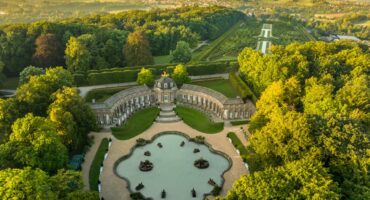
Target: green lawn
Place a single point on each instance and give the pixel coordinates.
(95, 166)
(162, 59)
(220, 85)
(198, 120)
(136, 124)
(11, 83)
(100, 95)
(238, 144)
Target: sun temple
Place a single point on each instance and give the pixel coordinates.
(116, 109)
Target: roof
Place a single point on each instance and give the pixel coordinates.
(165, 82)
(109, 103)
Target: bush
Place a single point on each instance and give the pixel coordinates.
(241, 88)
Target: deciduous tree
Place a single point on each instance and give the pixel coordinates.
(34, 142)
(48, 52)
(182, 53)
(137, 50)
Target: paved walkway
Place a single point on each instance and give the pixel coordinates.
(115, 188)
(7, 93)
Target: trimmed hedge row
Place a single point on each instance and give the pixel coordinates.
(129, 74)
(80, 79)
(112, 77)
(238, 145)
(96, 164)
(241, 88)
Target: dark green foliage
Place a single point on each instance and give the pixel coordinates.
(163, 28)
(241, 122)
(207, 68)
(216, 190)
(95, 165)
(112, 77)
(137, 196)
(129, 74)
(242, 89)
(80, 79)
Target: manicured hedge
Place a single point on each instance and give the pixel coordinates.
(95, 165)
(241, 88)
(129, 74)
(209, 68)
(80, 79)
(112, 77)
(240, 122)
(238, 144)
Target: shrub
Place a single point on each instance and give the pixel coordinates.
(241, 88)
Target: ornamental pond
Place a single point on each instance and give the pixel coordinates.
(172, 158)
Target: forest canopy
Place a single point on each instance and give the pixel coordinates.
(310, 134)
(101, 38)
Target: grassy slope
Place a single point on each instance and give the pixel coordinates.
(136, 124)
(221, 85)
(95, 166)
(198, 120)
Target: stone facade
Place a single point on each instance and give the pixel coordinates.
(120, 106)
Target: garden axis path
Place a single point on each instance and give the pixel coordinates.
(115, 188)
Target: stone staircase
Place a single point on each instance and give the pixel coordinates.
(167, 115)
